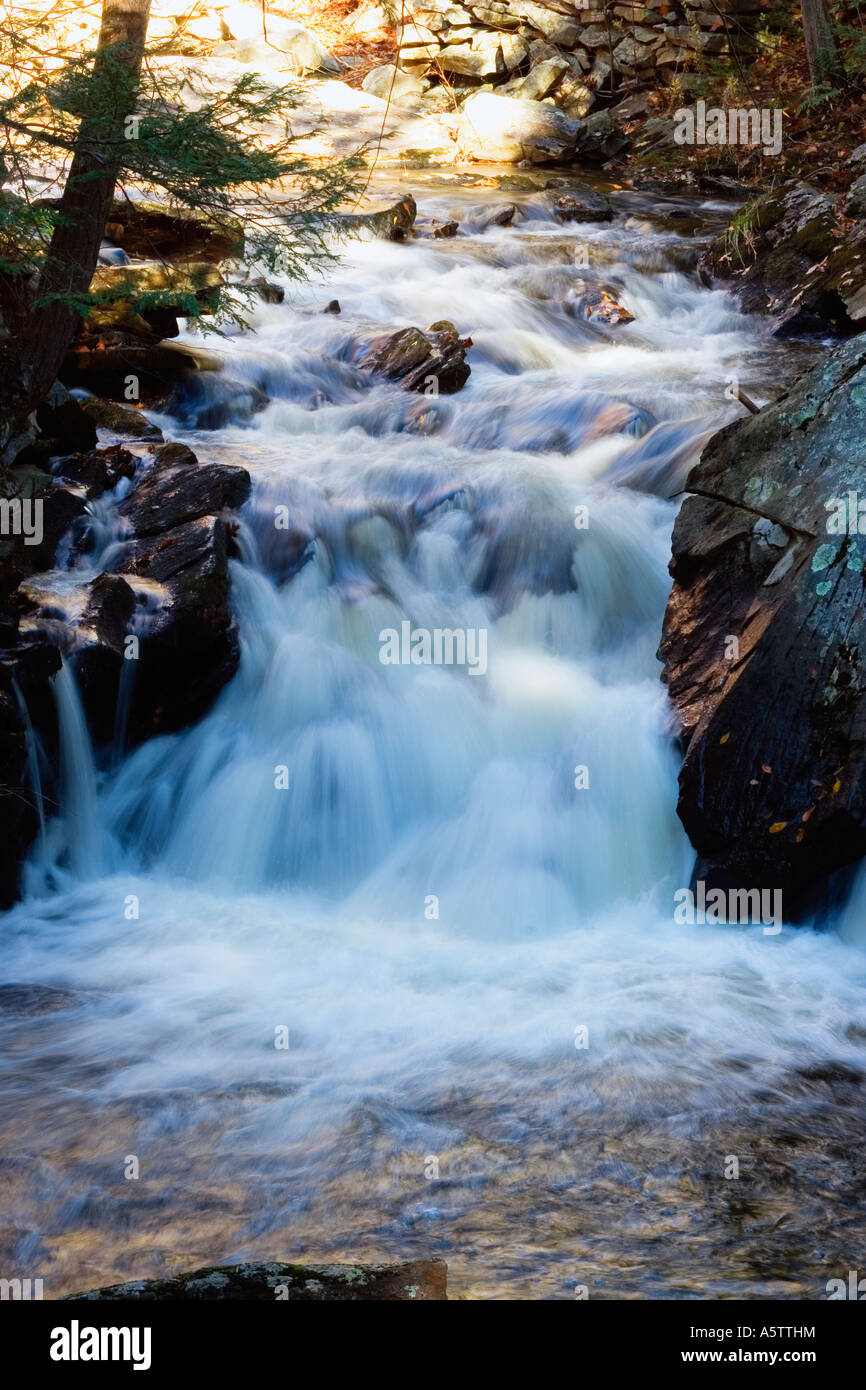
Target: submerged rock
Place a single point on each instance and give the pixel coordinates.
(762, 646)
(581, 204)
(418, 1281)
(598, 304)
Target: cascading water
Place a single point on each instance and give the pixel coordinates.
(450, 894)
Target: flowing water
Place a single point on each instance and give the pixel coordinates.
(360, 967)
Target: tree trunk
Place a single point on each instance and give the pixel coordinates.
(825, 67)
(83, 211)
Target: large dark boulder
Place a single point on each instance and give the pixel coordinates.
(763, 644)
(171, 496)
(189, 641)
(416, 1281)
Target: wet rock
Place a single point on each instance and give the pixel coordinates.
(393, 222)
(598, 304)
(213, 400)
(171, 496)
(106, 368)
(109, 610)
(581, 204)
(172, 455)
(265, 290)
(98, 471)
(49, 510)
(120, 419)
(789, 256)
(417, 359)
(27, 663)
(188, 638)
(761, 644)
(156, 232)
(446, 229)
(332, 307)
(419, 1281)
(62, 421)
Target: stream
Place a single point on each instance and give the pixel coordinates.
(379, 960)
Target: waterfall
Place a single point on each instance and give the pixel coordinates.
(80, 831)
(365, 912)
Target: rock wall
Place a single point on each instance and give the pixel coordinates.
(559, 48)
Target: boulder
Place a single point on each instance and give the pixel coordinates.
(171, 496)
(418, 1281)
(393, 222)
(761, 648)
(486, 56)
(601, 138)
(581, 204)
(120, 419)
(389, 83)
(98, 471)
(598, 304)
(289, 47)
(152, 231)
(48, 509)
(788, 255)
(179, 291)
(107, 367)
(417, 359)
(62, 422)
(502, 130)
(188, 639)
(543, 77)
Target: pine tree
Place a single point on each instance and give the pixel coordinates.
(232, 155)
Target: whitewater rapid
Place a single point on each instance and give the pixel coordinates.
(393, 869)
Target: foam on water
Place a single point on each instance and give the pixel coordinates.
(310, 907)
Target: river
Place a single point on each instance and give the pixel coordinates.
(380, 960)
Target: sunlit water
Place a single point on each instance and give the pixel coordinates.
(500, 1047)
